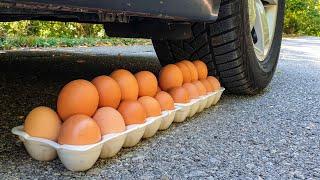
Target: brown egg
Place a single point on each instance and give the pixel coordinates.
(202, 69)
(79, 130)
(192, 90)
(165, 100)
(180, 95)
(43, 122)
(151, 105)
(109, 120)
(148, 83)
(214, 83)
(185, 72)
(201, 89)
(159, 89)
(109, 91)
(192, 69)
(207, 85)
(128, 84)
(170, 77)
(77, 97)
(132, 112)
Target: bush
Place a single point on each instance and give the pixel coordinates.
(50, 29)
(39, 42)
(302, 17)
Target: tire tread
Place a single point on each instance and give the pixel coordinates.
(219, 45)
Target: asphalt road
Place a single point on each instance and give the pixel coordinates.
(274, 135)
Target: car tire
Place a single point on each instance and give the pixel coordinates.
(227, 47)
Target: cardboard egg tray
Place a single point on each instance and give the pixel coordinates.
(81, 158)
(196, 105)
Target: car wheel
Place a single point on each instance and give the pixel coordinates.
(241, 48)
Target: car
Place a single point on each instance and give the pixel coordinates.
(238, 40)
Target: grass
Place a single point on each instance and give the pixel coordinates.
(11, 43)
(38, 42)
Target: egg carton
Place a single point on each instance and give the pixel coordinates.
(81, 158)
(185, 110)
(196, 105)
(190, 109)
(213, 98)
(168, 120)
(218, 96)
(203, 102)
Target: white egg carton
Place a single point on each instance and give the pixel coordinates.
(185, 110)
(196, 105)
(81, 158)
(203, 102)
(218, 96)
(212, 99)
(168, 120)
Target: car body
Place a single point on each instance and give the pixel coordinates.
(194, 10)
(151, 13)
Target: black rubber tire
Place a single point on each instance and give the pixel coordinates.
(226, 47)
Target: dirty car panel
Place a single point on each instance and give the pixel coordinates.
(190, 10)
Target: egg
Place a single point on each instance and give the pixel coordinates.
(170, 77)
(109, 91)
(207, 85)
(165, 100)
(147, 82)
(201, 89)
(185, 72)
(128, 84)
(192, 69)
(109, 120)
(151, 106)
(77, 97)
(132, 112)
(180, 95)
(192, 90)
(202, 69)
(79, 129)
(43, 122)
(214, 83)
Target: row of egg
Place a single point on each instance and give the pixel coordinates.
(88, 110)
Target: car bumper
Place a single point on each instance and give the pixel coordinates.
(188, 10)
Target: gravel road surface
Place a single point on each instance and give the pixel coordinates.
(274, 135)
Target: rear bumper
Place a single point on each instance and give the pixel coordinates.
(185, 10)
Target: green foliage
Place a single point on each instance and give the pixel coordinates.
(50, 29)
(302, 17)
(31, 41)
(57, 34)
